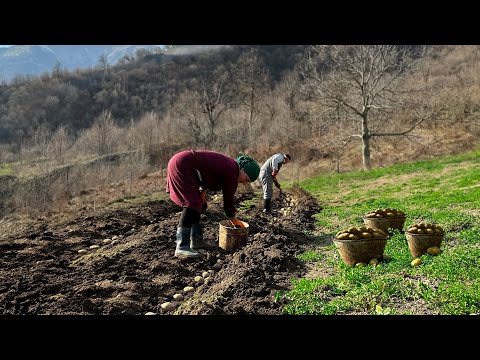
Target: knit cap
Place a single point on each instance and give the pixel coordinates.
(250, 166)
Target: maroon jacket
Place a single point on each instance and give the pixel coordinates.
(218, 171)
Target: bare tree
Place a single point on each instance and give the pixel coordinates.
(57, 70)
(338, 138)
(202, 108)
(145, 133)
(102, 62)
(252, 78)
(364, 81)
(38, 188)
(59, 144)
(289, 91)
(101, 138)
(127, 58)
(3, 81)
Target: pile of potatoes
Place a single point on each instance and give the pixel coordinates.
(387, 213)
(425, 229)
(361, 233)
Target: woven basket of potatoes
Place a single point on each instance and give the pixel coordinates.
(424, 236)
(384, 219)
(360, 245)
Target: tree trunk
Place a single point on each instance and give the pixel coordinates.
(366, 144)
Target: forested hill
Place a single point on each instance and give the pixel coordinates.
(332, 108)
(140, 83)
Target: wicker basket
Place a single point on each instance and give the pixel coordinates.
(419, 243)
(363, 250)
(385, 223)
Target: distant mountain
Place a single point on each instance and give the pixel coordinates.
(35, 59)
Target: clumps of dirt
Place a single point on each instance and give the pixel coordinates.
(50, 267)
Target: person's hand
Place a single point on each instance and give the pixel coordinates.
(237, 223)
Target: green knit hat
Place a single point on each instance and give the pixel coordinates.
(250, 166)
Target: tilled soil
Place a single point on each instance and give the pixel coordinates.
(133, 270)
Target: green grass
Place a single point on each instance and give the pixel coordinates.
(444, 191)
(6, 169)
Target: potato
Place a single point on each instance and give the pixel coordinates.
(360, 264)
(365, 235)
(433, 250)
(178, 297)
(374, 261)
(381, 232)
(416, 262)
(343, 236)
(168, 306)
(438, 230)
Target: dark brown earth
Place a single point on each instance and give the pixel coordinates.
(42, 272)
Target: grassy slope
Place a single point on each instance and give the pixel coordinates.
(444, 191)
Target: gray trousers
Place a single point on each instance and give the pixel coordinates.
(266, 180)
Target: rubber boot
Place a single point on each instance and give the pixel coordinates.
(183, 244)
(267, 206)
(196, 238)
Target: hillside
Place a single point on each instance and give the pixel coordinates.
(33, 60)
(148, 83)
(65, 133)
(289, 264)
